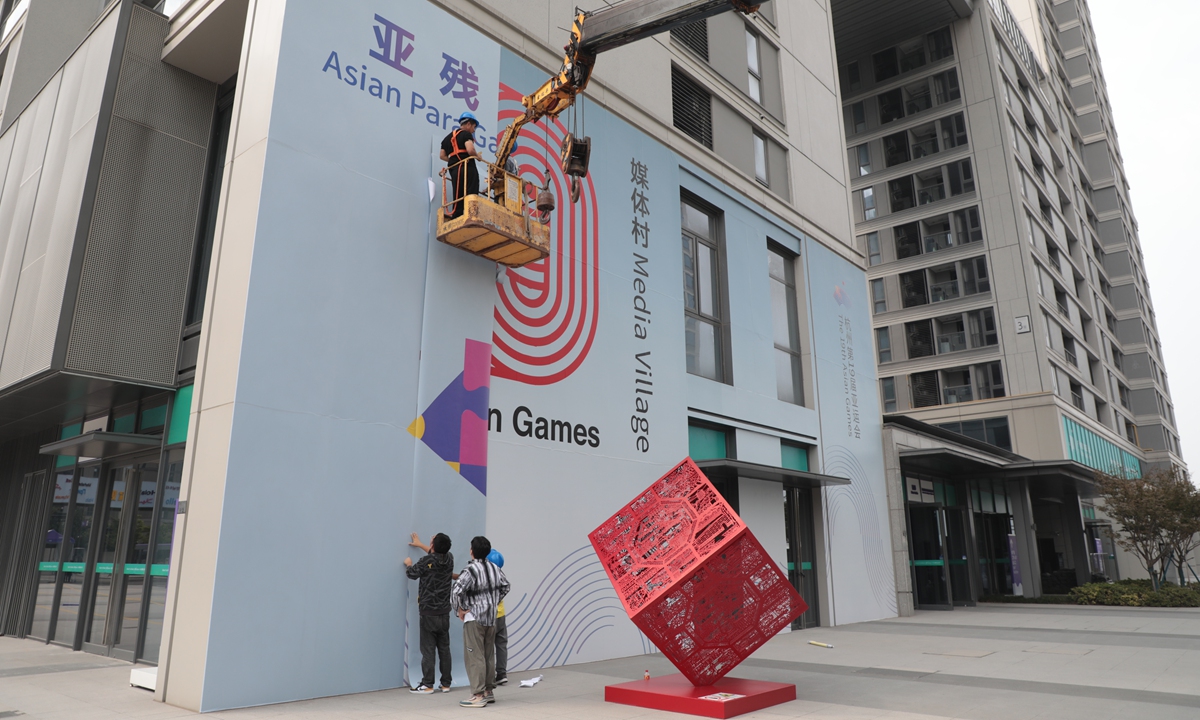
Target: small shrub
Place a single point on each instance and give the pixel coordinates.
(1173, 596)
(1135, 593)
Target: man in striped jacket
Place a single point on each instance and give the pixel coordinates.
(476, 594)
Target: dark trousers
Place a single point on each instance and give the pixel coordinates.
(464, 184)
(501, 648)
(435, 637)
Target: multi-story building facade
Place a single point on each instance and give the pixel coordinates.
(1010, 300)
(237, 369)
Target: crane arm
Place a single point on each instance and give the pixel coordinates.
(591, 34)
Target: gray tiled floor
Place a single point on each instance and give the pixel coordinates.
(991, 662)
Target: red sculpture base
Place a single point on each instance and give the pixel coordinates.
(675, 693)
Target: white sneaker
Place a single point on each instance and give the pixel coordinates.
(422, 689)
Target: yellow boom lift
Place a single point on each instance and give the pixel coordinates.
(499, 225)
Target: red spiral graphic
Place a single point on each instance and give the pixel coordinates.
(546, 315)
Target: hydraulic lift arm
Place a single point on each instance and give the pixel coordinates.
(593, 33)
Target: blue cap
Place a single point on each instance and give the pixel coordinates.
(468, 115)
(495, 558)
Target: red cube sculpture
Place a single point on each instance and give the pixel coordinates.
(693, 577)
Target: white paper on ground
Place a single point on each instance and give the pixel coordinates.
(531, 681)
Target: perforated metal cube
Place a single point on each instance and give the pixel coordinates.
(693, 577)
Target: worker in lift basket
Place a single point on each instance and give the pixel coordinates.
(459, 154)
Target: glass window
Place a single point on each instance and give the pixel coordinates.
(924, 387)
(760, 159)
(858, 114)
(975, 276)
(908, 240)
(878, 297)
(852, 81)
(918, 337)
(913, 291)
(941, 45)
(967, 228)
(703, 332)
(887, 390)
(912, 55)
(901, 193)
(895, 149)
(945, 87)
(891, 106)
(781, 269)
(954, 131)
(874, 256)
(989, 380)
(883, 344)
(885, 64)
(982, 325)
(754, 66)
(868, 203)
(863, 157)
(962, 180)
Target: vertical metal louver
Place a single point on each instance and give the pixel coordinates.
(920, 338)
(925, 389)
(693, 36)
(691, 107)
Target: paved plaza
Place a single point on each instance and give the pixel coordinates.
(1001, 662)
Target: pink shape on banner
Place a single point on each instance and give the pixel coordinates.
(473, 447)
(477, 365)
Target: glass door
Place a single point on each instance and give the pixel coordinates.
(957, 556)
(75, 545)
(122, 551)
(930, 584)
(49, 556)
(801, 553)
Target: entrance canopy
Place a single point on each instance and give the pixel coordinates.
(726, 469)
(946, 462)
(99, 444)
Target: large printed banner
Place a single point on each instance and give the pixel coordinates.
(863, 583)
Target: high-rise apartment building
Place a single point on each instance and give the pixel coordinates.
(1010, 301)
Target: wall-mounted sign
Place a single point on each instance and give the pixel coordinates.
(1023, 325)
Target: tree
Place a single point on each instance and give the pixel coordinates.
(1159, 515)
(1181, 526)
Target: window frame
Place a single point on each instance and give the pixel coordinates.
(792, 308)
(720, 323)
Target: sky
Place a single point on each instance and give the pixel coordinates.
(1147, 52)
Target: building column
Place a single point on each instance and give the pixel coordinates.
(1026, 533)
(1076, 535)
(894, 479)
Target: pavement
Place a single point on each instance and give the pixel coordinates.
(1007, 662)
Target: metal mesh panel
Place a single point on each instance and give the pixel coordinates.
(691, 107)
(693, 36)
(133, 284)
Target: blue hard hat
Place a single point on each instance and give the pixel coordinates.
(468, 115)
(495, 558)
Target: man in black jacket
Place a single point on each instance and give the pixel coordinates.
(434, 570)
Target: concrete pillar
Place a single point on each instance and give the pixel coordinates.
(894, 478)
(1026, 532)
(1075, 535)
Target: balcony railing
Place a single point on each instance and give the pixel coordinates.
(1077, 400)
(943, 291)
(925, 148)
(931, 194)
(959, 394)
(1063, 309)
(1070, 356)
(938, 241)
(952, 342)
